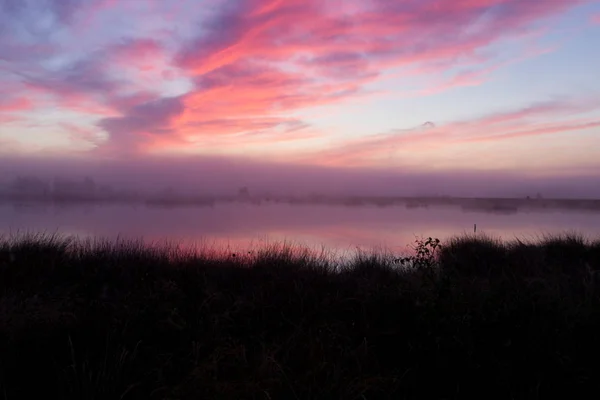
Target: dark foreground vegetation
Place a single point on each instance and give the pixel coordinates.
(475, 318)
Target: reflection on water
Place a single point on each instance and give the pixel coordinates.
(335, 227)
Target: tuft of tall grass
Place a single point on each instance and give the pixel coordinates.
(470, 255)
(128, 319)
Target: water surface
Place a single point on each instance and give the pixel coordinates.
(336, 227)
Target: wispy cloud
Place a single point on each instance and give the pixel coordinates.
(534, 120)
(153, 75)
(12, 107)
(268, 58)
(15, 104)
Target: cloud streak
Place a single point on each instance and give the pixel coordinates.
(529, 121)
(149, 77)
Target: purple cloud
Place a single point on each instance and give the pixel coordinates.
(153, 117)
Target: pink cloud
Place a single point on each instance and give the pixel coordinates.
(90, 86)
(241, 64)
(142, 122)
(11, 109)
(596, 19)
(255, 91)
(253, 64)
(571, 126)
(278, 30)
(515, 124)
(140, 54)
(82, 85)
(16, 104)
(130, 50)
(476, 73)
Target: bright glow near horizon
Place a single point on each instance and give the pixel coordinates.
(431, 84)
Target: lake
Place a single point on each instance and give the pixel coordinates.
(240, 225)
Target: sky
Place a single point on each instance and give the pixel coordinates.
(485, 92)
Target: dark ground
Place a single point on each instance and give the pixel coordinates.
(475, 319)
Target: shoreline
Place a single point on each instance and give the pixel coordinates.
(493, 205)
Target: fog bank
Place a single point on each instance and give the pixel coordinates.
(223, 176)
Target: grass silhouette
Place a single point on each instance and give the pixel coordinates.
(126, 320)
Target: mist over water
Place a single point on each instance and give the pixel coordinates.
(214, 175)
(241, 226)
(337, 227)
